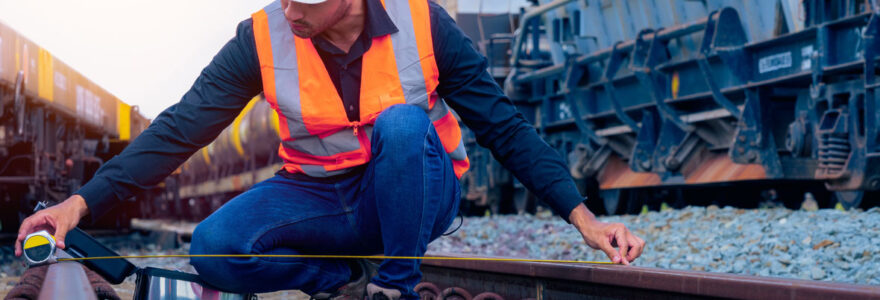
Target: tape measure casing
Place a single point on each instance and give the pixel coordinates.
(39, 248)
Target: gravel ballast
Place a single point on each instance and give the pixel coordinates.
(827, 244)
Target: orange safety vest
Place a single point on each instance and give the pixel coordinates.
(316, 136)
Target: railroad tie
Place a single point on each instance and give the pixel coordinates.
(29, 286)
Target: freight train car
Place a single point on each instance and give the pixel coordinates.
(56, 128)
(703, 101)
(246, 152)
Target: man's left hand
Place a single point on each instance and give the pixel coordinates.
(606, 236)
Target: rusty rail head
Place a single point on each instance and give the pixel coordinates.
(66, 280)
(652, 280)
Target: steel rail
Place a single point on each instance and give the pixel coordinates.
(66, 280)
(521, 280)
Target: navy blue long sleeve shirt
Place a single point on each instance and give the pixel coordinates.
(233, 77)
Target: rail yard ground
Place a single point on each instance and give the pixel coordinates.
(827, 244)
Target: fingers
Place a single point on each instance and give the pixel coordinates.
(39, 221)
(60, 233)
(607, 237)
(606, 247)
(620, 236)
(23, 231)
(636, 247)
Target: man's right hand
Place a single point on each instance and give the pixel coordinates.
(57, 220)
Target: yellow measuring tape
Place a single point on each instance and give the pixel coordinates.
(338, 257)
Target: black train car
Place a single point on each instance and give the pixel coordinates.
(700, 102)
(246, 152)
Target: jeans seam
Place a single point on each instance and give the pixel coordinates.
(308, 266)
(347, 211)
(453, 211)
(424, 190)
(262, 232)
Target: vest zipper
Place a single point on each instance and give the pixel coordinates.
(355, 125)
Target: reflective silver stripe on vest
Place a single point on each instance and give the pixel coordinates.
(286, 69)
(409, 66)
(369, 130)
(319, 171)
(460, 153)
(439, 111)
(338, 142)
(406, 53)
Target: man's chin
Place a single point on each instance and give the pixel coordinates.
(302, 34)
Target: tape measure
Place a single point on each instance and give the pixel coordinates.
(39, 248)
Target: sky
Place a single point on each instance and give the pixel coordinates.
(490, 6)
(147, 53)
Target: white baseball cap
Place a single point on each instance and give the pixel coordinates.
(309, 1)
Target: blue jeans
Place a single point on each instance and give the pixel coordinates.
(406, 197)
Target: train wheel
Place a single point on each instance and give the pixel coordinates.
(589, 187)
(849, 199)
(622, 201)
(871, 199)
(637, 200)
(496, 206)
(611, 199)
(427, 291)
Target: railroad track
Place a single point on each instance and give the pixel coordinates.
(483, 280)
(492, 279)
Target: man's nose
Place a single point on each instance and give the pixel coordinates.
(292, 14)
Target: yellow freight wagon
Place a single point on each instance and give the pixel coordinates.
(56, 127)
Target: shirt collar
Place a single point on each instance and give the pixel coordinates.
(377, 22)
